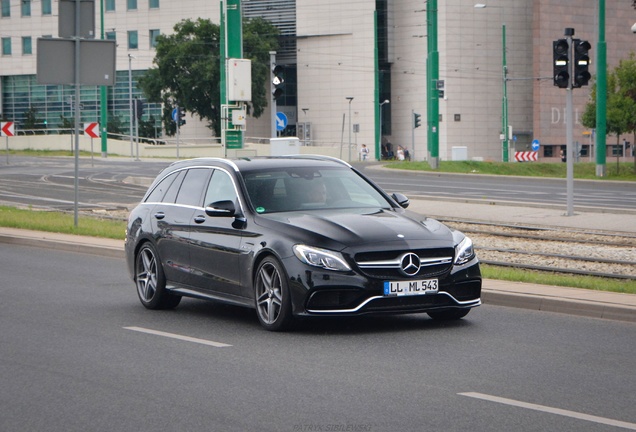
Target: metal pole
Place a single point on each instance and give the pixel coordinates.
(77, 108)
(504, 114)
(272, 64)
(432, 93)
(130, 103)
(136, 131)
(569, 120)
(103, 96)
(350, 98)
(601, 94)
(178, 128)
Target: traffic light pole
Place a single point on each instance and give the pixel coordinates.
(272, 65)
(569, 128)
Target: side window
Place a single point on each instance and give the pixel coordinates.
(220, 188)
(191, 189)
(159, 191)
(173, 190)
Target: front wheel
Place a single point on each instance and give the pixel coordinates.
(449, 314)
(151, 282)
(273, 302)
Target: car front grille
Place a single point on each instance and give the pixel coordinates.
(388, 265)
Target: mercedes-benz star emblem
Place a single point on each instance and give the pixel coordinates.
(410, 264)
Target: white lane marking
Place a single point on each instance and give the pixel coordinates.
(180, 337)
(562, 412)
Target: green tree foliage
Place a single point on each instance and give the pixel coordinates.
(114, 125)
(32, 122)
(621, 101)
(187, 71)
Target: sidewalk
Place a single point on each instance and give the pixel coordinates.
(596, 304)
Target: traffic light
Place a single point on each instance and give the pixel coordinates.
(417, 120)
(182, 116)
(561, 63)
(581, 63)
(278, 80)
(139, 108)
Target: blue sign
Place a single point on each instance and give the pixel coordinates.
(281, 121)
(535, 145)
(175, 114)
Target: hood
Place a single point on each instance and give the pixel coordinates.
(355, 227)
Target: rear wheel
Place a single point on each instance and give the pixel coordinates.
(449, 314)
(273, 302)
(151, 282)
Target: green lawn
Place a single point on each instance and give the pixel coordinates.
(626, 171)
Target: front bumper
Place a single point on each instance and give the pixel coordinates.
(317, 293)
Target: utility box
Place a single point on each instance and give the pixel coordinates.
(284, 146)
(459, 153)
(239, 80)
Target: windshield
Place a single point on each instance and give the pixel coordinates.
(301, 189)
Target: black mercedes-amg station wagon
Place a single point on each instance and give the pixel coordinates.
(294, 237)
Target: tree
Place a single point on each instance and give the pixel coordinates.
(621, 102)
(187, 70)
(32, 122)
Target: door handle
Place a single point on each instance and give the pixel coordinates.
(160, 215)
(199, 219)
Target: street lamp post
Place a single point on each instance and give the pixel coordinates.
(349, 98)
(130, 103)
(386, 101)
(504, 98)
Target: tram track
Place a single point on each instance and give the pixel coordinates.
(558, 250)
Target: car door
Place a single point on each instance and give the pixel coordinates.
(216, 243)
(171, 223)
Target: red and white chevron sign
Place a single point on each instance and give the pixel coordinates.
(527, 156)
(91, 129)
(7, 129)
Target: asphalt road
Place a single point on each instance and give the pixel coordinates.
(109, 184)
(78, 352)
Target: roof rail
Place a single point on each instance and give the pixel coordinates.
(318, 157)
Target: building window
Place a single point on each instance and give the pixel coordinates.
(26, 8)
(27, 47)
(6, 8)
(132, 4)
(153, 38)
(133, 40)
(153, 4)
(46, 7)
(110, 5)
(6, 46)
(111, 35)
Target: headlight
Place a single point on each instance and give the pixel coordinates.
(322, 258)
(464, 251)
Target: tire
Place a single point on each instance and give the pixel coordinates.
(151, 282)
(448, 314)
(272, 297)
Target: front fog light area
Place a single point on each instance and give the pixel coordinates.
(323, 258)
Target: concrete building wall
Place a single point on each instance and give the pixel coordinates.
(335, 60)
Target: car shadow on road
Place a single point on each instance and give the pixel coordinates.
(223, 314)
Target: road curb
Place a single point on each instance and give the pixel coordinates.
(534, 299)
(560, 305)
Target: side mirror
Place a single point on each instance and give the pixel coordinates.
(402, 200)
(221, 209)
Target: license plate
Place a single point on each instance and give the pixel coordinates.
(409, 288)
